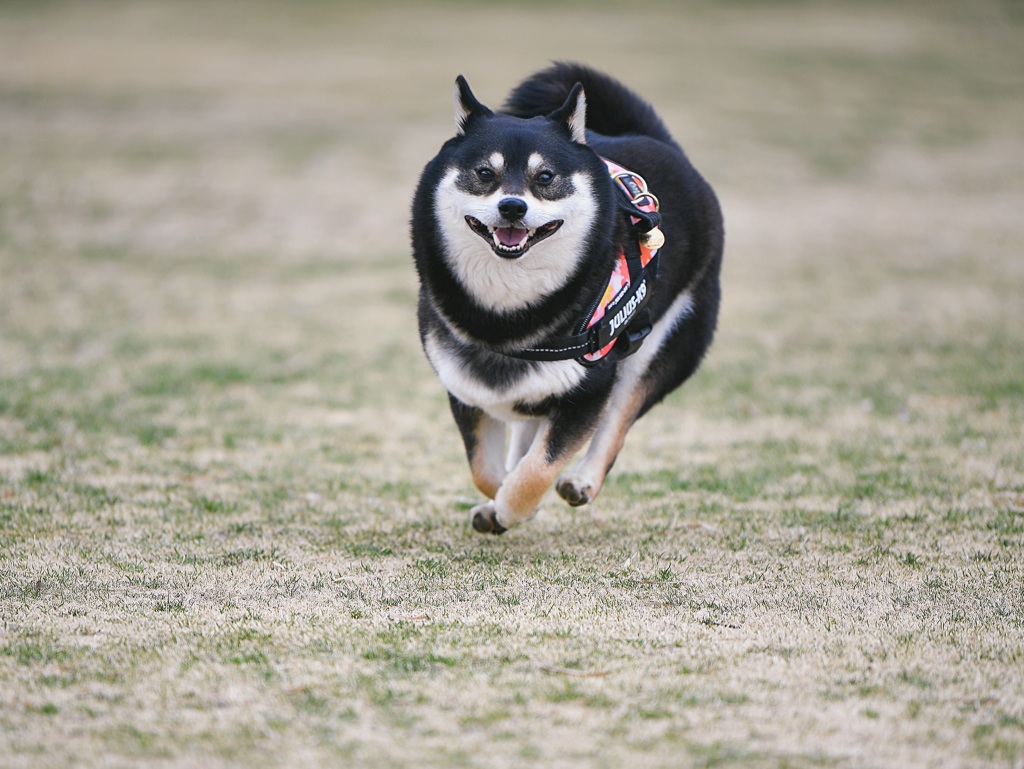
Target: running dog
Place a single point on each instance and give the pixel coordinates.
(568, 255)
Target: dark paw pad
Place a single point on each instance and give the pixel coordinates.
(572, 494)
(485, 522)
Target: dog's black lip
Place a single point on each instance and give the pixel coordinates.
(479, 228)
(487, 233)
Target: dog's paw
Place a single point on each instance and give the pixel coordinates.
(485, 519)
(574, 491)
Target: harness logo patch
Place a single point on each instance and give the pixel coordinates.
(623, 315)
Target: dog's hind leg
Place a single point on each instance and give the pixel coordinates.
(484, 439)
(583, 483)
(521, 436)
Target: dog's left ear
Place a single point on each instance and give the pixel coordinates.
(466, 106)
(573, 114)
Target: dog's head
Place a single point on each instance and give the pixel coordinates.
(520, 173)
(517, 202)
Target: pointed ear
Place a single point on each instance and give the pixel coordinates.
(573, 114)
(466, 106)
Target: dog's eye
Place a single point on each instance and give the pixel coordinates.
(485, 174)
(544, 178)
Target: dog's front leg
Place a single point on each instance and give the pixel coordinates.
(484, 439)
(519, 496)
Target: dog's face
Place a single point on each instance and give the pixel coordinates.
(516, 204)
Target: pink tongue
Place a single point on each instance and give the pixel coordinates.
(511, 236)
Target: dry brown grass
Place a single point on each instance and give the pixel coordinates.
(232, 505)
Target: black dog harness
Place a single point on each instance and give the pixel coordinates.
(618, 319)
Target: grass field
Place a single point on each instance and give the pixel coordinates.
(233, 508)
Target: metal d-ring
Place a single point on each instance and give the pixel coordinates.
(651, 195)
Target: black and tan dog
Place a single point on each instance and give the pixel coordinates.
(557, 297)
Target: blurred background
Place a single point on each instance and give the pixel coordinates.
(204, 206)
(232, 501)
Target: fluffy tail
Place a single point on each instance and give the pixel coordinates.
(612, 108)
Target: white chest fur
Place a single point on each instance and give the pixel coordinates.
(543, 381)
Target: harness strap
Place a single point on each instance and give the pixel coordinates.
(619, 318)
(636, 263)
(593, 344)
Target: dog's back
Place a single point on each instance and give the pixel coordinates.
(625, 128)
(612, 109)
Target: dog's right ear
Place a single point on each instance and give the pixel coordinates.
(466, 106)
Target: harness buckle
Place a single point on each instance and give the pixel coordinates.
(631, 339)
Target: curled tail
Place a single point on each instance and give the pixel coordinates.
(612, 108)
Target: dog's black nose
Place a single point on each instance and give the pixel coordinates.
(512, 209)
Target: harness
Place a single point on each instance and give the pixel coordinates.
(618, 319)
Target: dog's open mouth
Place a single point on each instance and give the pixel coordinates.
(511, 242)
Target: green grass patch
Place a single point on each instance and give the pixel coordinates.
(234, 509)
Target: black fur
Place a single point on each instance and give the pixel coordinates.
(612, 109)
(624, 128)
